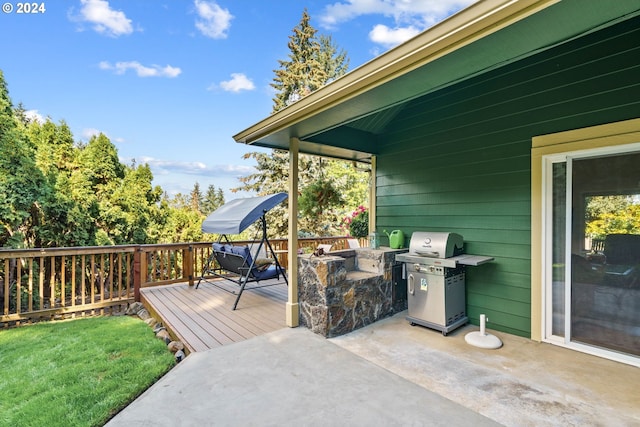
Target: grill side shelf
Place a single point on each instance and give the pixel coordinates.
(473, 260)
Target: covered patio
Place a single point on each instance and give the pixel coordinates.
(465, 128)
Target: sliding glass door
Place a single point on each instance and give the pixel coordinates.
(592, 250)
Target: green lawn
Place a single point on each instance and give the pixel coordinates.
(78, 372)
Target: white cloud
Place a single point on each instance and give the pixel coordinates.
(238, 83)
(87, 133)
(34, 116)
(164, 167)
(386, 36)
(104, 20)
(409, 16)
(213, 21)
(141, 70)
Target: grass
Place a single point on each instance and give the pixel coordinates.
(78, 372)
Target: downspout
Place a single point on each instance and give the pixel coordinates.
(292, 307)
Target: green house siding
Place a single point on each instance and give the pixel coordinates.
(459, 159)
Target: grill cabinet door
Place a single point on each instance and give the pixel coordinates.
(425, 297)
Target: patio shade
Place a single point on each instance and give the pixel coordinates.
(238, 214)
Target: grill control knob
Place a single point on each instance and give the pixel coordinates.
(416, 267)
(432, 269)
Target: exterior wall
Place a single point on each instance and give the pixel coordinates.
(459, 159)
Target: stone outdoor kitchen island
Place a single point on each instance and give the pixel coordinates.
(346, 290)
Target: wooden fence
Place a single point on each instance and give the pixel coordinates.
(44, 284)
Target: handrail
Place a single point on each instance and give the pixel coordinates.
(50, 283)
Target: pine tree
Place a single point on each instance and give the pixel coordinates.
(212, 200)
(196, 199)
(334, 63)
(302, 73)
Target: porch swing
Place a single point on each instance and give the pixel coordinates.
(237, 263)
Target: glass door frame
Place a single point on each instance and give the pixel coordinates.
(547, 249)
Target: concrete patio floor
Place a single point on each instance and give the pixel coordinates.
(387, 374)
(524, 383)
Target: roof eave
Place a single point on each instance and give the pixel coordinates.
(471, 24)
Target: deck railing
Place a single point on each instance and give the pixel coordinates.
(66, 282)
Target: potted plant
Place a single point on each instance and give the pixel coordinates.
(318, 196)
(358, 223)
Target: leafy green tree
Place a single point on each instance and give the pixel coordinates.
(57, 192)
(612, 215)
(271, 177)
(22, 186)
(63, 221)
(599, 205)
(313, 61)
(182, 221)
(54, 147)
(100, 164)
(137, 201)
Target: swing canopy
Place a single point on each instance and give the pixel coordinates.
(235, 216)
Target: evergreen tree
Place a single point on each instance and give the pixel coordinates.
(55, 192)
(335, 63)
(22, 186)
(54, 147)
(312, 63)
(212, 200)
(196, 198)
(302, 73)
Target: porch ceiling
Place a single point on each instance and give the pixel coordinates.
(345, 118)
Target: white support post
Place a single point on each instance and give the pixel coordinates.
(292, 307)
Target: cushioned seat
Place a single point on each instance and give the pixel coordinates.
(236, 264)
(238, 259)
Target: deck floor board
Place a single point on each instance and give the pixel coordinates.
(203, 318)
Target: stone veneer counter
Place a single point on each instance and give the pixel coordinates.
(346, 290)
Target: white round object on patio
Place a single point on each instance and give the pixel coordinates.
(481, 338)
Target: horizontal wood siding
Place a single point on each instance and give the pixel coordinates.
(458, 159)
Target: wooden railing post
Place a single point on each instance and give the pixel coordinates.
(137, 273)
(187, 264)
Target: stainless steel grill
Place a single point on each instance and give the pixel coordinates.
(435, 273)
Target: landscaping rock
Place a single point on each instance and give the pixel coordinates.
(163, 335)
(144, 314)
(151, 322)
(134, 308)
(175, 346)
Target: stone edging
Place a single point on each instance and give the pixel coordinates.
(175, 347)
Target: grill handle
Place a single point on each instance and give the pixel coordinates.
(411, 285)
(430, 254)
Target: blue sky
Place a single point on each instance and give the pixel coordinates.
(171, 81)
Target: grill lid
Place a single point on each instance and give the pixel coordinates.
(436, 244)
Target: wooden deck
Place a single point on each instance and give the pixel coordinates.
(203, 319)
